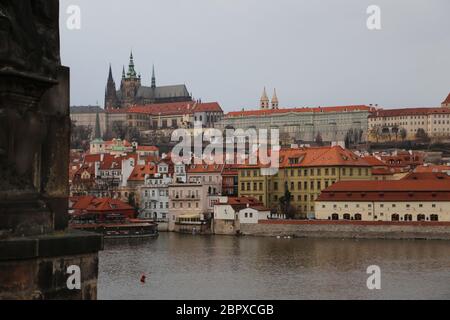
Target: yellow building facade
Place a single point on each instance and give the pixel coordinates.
(305, 172)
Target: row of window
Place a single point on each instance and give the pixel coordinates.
(312, 172)
(153, 193)
(154, 205)
(394, 217)
(300, 185)
(381, 205)
(180, 205)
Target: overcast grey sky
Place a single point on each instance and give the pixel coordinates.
(315, 52)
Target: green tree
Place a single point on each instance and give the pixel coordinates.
(421, 135)
(285, 203)
(403, 134)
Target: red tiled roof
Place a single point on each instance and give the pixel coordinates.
(140, 171)
(90, 203)
(313, 157)
(81, 203)
(259, 208)
(204, 168)
(374, 161)
(111, 162)
(295, 110)
(243, 200)
(391, 190)
(92, 158)
(432, 168)
(427, 176)
(408, 112)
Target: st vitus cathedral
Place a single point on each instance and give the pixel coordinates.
(132, 92)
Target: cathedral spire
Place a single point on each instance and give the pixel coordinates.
(153, 77)
(97, 130)
(123, 73)
(110, 76)
(131, 70)
(110, 92)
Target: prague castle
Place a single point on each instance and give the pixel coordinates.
(132, 92)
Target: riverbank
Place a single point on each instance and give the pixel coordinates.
(349, 229)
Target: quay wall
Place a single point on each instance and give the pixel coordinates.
(349, 229)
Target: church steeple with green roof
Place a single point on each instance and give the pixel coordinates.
(131, 71)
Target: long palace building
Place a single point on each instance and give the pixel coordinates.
(302, 124)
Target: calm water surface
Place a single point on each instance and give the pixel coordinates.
(220, 267)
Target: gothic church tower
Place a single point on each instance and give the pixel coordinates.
(131, 82)
(264, 102)
(111, 101)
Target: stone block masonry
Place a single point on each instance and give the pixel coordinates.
(35, 268)
(350, 229)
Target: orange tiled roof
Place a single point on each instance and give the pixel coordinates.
(313, 157)
(432, 168)
(90, 203)
(140, 171)
(447, 101)
(204, 168)
(427, 176)
(374, 161)
(296, 110)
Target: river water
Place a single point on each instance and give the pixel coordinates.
(220, 267)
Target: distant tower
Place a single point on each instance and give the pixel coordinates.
(275, 99)
(97, 129)
(264, 102)
(153, 78)
(110, 92)
(130, 85)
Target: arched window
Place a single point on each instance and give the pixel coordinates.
(346, 216)
(334, 216)
(358, 217)
(408, 217)
(395, 217)
(421, 217)
(434, 217)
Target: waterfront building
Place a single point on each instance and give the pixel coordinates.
(409, 124)
(231, 212)
(304, 124)
(100, 207)
(304, 173)
(189, 207)
(403, 200)
(230, 180)
(208, 175)
(154, 194)
(132, 91)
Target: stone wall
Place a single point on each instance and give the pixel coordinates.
(35, 268)
(325, 229)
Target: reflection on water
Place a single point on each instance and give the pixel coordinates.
(219, 267)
